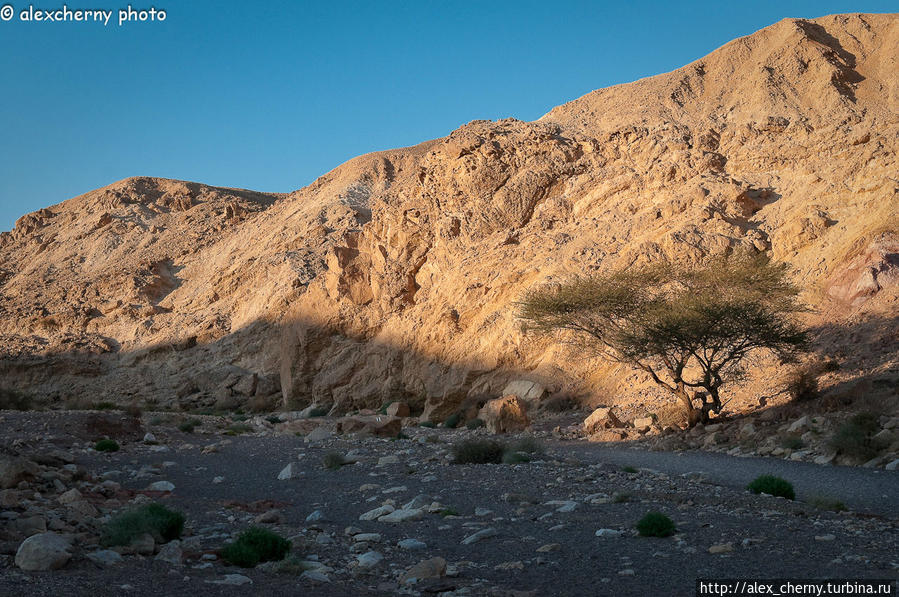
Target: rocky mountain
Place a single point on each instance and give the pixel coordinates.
(395, 275)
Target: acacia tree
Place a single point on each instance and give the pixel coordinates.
(690, 329)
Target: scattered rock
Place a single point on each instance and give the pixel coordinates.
(411, 544)
(369, 559)
(161, 486)
(426, 569)
(599, 419)
(170, 553)
(721, 548)
(104, 557)
(291, 471)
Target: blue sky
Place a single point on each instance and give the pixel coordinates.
(270, 95)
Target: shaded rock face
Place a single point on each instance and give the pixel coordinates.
(394, 277)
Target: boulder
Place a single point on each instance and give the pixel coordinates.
(529, 391)
(601, 418)
(44, 551)
(505, 414)
(377, 425)
(398, 409)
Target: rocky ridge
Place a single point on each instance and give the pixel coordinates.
(394, 277)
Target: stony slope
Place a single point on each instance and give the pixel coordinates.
(394, 275)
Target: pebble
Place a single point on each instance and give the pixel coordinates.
(721, 548)
(607, 533)
(161, 486)
(827, 537)
(104, 557)
(549, 547)
(479, 536)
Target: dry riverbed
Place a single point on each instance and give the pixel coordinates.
(402, 519)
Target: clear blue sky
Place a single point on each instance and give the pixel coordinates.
(269, 95)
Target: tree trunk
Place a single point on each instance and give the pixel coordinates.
(694, 415)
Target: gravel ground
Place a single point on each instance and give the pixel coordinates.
(545, 514)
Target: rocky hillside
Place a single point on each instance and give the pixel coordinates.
(394, 276)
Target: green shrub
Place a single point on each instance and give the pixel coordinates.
(855, 437)
(478, 452)
(189, 425)
(655, 524)
(452, 421)
(772, 486)
(333, 461)
(629, 469)
(427, 424)
(105, 405)
(156, 519)
(448, 512)
(475, 424)
(256, 545)
(273, 419)
(106, 445)
(318, 412)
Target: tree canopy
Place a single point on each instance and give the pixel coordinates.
(688, 328)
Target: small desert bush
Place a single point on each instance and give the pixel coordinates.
(791, 442)
(802, 384)
(452, 421)
(106, 445)
(475, 424)
(333, 461)
(256, 545)
(14, 400)
(427, 424)
(655, 524)
(629, 469)
(510, 457)
(826, 503)
(105, 405)
(855, 437)
(528, 445)
(478, 452)
(155, 519)
(620, 497)
(448, 512)
(134, 410)
(189, 425)
(273, 419)
(238, 429)
(318, 412)
(559, 404)
(772, 486)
